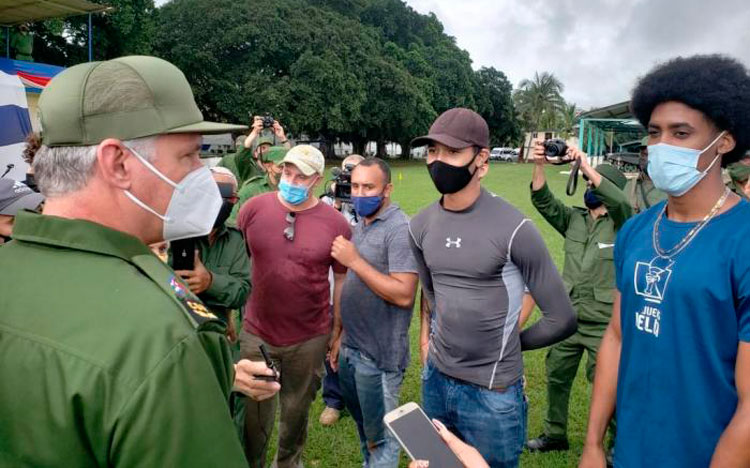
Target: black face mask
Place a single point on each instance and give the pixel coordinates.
(31, 182)
(224, 212)
(450, 179)
(591, 201)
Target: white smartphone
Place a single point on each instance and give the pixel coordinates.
(419, 438)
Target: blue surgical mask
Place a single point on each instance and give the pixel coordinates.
(293, 194)
(674, 169)
(366, 206)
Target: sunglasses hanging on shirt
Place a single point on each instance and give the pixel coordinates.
(289, 231)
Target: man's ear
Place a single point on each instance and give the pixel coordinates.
(111, 163)
(388, 190)
(726, 143)
(482, 162)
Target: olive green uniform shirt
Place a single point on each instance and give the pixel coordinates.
(23, 44)
(229, 264)
(108, 359)
(255, 186)
(242, 164)
(589, 273)
(642, 193)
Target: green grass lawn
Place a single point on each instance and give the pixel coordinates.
(338, 446)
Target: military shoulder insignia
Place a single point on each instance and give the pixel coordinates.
(192, 307)
(195, 308)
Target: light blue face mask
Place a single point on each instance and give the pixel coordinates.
(674, 169)
(293, 194)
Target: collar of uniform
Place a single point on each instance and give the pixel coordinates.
(221, 230)
(76, 234)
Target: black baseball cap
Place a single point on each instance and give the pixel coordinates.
(16, 196)
(457, 128)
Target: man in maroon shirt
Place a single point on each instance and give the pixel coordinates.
(289, 235)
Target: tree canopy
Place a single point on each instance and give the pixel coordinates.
(347, 70)
(541, 106)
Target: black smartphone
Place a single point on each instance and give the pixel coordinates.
(419, 438)
(183, 254)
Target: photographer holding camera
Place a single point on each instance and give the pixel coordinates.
(247, 161)
(588, 273)
(266, 128)
(339, 194)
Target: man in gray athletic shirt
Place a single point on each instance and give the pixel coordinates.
(475, 253)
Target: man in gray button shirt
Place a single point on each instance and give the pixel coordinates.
(475, 254)
(376, 309)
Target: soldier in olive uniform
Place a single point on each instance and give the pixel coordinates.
(221, 273)
(22, 43)
(588, 275)
(263, 182)
(246, 163)
(739, 177)
(641, 191)
(110, 359)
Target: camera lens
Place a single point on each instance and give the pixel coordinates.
(555, 148)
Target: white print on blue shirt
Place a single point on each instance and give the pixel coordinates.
(650, 282)
(648, 320)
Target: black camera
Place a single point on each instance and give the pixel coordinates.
(555, 148)
(555, 151)
(343, 180)
(267, 121)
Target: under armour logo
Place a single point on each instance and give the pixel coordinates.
(456, 243)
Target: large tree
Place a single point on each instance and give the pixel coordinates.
(496, 106)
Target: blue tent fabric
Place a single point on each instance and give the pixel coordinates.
(16, 124)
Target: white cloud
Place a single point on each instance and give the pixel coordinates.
(597, 48)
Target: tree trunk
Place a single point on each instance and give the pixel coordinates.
(405, 153)
(359, 145)
(381, 151)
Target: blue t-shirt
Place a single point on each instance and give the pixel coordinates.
(681, 326)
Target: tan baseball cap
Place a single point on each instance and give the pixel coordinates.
(307, 159)
(125, 98)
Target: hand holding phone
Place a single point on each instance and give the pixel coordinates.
(183, 254)
(246, 381)
(419, 437)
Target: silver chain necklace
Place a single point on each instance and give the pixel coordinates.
(668, 254)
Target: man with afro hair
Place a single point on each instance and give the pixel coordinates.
(675, 359)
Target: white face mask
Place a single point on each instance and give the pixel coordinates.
(193, 207)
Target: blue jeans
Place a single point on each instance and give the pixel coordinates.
(331, 390)
(370, 393)
(493, 421)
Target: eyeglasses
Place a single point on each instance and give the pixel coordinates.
(289, 231)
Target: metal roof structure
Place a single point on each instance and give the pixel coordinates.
(15, 12)
(621, 110)
(597, 128)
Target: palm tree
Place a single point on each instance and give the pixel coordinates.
(539, 101)
(567, 121)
